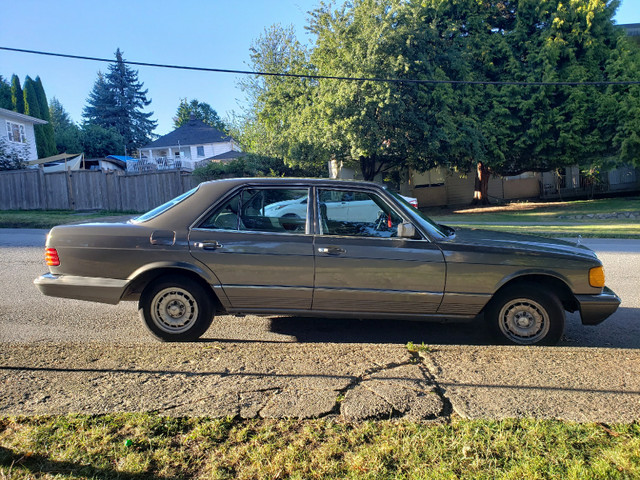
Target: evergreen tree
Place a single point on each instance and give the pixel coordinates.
(200, 110)
(5, 94)
(47, 129)
(17, 97)
(117, 101)
(66, 133)
(32, 108)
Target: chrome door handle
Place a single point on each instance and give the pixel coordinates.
(209, 245)
(331, 250)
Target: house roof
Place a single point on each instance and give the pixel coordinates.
(230, 155)
(21, 116)
(194, 132)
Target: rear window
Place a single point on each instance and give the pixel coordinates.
(164, 207)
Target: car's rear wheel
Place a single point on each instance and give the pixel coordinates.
(176, 309)
(526, 314)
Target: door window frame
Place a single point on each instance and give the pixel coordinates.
(197, 225)
(318, 224)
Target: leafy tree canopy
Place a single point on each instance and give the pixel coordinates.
(505, 128)
(99, 141)
(200, 110)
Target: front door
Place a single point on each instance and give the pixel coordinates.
(362, 267)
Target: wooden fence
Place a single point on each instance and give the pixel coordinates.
(90, 190)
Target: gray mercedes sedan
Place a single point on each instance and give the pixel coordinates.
(319, 248)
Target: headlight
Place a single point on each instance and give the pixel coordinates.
(596, 277)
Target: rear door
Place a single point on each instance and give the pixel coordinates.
(362, 267)
(259, 250)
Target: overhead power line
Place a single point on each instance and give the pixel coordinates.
(317, 77)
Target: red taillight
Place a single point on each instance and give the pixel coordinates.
(51, 257)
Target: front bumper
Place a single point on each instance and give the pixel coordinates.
(92, 289)
(596, 308)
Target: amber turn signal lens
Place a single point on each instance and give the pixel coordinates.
(51, 257)
(596, 277)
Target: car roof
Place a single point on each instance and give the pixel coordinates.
(232, 182)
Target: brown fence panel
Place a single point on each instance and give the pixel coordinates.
(20, 190)
(90, 190)
(55, 192)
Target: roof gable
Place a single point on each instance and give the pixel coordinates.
(21, 116)
(194, 132)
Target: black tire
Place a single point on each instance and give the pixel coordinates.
(526, 314)
(176, 309)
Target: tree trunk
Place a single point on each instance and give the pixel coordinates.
(368, 168)
(480, 195)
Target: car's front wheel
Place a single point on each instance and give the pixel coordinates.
(526, 315)
(176, 309)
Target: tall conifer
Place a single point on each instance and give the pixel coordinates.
(47, 129)
(117, 101)
(5, 94)
(17, 97)
(32, 108)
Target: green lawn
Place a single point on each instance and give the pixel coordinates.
(150, 446)
(50, 218)
(554, 219)
(524, 212)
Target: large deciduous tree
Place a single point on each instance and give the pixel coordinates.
(504, 128)
(117, 102)
(200, 110)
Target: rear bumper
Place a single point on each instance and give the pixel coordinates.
(93, 289)
(596, 308)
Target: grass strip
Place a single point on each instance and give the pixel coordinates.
(50, 218)
(619, 230)
(146, 446)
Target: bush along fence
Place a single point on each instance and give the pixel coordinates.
(90, 190)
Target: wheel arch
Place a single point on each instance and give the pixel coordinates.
(144, 276)
(546, 281)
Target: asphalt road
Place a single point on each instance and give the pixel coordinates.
(60, 355)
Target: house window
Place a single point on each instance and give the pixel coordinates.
(200, 151)
(15, 132)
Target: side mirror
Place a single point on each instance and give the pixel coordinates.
(406, 230)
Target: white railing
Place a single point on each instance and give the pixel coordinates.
(145, 164)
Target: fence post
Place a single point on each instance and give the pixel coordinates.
(42, 189)
(72, 203)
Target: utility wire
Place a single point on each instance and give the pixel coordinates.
(317, 77)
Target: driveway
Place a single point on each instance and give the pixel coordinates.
(62, 356)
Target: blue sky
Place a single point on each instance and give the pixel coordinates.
(211, 33)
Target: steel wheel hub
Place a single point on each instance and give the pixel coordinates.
(523, 320)
(174, 310)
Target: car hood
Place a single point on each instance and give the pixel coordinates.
(489, 240)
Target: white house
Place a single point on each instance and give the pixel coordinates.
(17, 129)
(187, 146)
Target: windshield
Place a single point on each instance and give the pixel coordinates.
(431, 226)
(163, 208)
